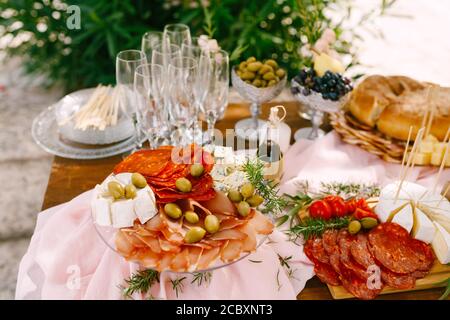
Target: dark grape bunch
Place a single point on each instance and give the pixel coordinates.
(332, 86)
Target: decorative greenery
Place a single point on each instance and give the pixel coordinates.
(350, 190)
(178, 285)
(202, 277)
(140, 282)
(315, 227)
(446, 292)
(254, 170)
(37, 31)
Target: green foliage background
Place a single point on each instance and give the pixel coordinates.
(85, 57)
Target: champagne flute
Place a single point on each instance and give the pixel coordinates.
(182, 74)
(217, 95)
(177, 34)
(150, 40)
(200, 85)
(164, 54)
(126, 63)
(148, 101)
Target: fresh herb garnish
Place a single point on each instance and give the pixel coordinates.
(315, 227)
(446, 292)
(177, 285)
(284, 261)
(202, 277)
(140, 282)
(267, 189)
(255, 261)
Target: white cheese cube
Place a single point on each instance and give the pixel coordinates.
(101, 211)
(436, 158)
(144, 206)
(423, 228)
(439, 147)
(426, 147)
(122, 213)
(422, 158)
(441, 244)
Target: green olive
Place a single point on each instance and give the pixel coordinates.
(251, 59)
(256, 83)
(247, 75)
(191, 216)
(234, 195)
(138, 180)
(183, 184)
(116, 190)
(248, 81)
(255, 200)
(280, 73)
(272, 83)
(354, 227)
(269, 76)
(265, 68)
(197, 170)
(272, 63)
(194, 234)
(242, 65)
(130, 191)
(247, 190)
(263, 83)
(212, 223)
(243, 208)
(172, 210)
(369, 223)
(254, 66)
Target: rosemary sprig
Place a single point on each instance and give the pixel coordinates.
(202, 277)
(178, 285)
(446, 292)
(267, 189)
(284, 261)
(349, 190)
(141, 282)
(315, 227)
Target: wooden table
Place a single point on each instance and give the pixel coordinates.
(69, 178)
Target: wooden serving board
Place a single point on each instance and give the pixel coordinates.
(439, 273)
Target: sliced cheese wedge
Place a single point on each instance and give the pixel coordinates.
(441, 244)
(403, 217)
(423, 228)
(143, 210)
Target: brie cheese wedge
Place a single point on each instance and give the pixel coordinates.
(423, 228)
(441, 244)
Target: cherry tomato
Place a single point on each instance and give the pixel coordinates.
(361, 213)
(352, 204)
(363, 204)
(320, 209)
(338, 205)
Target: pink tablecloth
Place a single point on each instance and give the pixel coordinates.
(67, 259)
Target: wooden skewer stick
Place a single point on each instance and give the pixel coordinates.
(411, 157)
(405, 153)
(444, 195)
(433, 108)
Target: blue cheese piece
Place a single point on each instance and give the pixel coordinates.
(122, 213)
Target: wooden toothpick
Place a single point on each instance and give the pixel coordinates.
(405, 153)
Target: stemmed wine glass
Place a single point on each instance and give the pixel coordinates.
(201, 84)
(217, 93)
(182, 73)
(126, 63)
(150, 40)
(177, 34)
(148, 100)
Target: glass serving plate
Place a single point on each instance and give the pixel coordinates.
(47, 133)
(107, 234)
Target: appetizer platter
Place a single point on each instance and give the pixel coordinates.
(180, 209)
(396, 239)
(382, 110)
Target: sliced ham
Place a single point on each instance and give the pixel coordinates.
(208, 256)
(231, 251)
(261, 223)
(228, 234)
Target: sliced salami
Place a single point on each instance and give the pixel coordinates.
(357, 286)
(326, 273)
(319, 252)
(360, 252)
(345, 240)
(390, 245)
(398, 281)
(330, 244)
